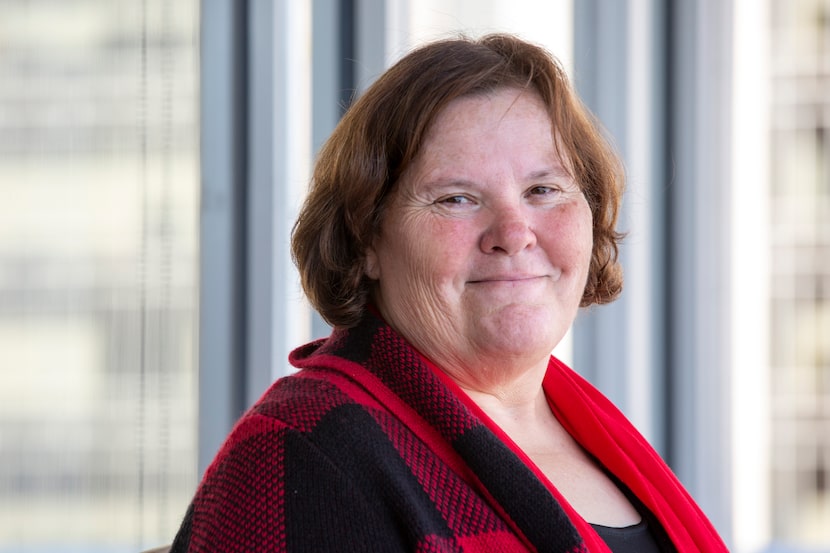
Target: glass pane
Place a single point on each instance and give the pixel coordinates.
(98, 272)
(800, 302)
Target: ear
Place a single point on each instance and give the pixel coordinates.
(371, 267)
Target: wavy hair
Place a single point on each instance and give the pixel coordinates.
(381, 134)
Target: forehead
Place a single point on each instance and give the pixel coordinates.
(475, 132)
(495, 109)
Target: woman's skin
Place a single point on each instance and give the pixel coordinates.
(481, 262)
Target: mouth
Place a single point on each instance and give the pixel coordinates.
(507, 279)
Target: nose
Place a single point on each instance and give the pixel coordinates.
(509, 232)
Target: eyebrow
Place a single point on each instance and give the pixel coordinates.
(556, 171)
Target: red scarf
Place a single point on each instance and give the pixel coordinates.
(601, 428)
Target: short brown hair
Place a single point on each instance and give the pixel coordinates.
(383, 131)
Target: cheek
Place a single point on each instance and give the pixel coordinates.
(569, 236)
(452, 236)
(415, 251)
(435, 255)
(584, 229)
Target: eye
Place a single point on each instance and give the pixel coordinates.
(544, 191)
(456, 199)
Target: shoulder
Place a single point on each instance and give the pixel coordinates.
(294, 404)
(299, 401)
(302, 419)
(274, 476)
(320, 408)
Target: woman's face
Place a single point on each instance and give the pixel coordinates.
(484, 248)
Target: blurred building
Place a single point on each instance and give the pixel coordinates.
(98, 272)
(799, 339)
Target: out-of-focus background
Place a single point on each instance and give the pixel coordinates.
(153, 154)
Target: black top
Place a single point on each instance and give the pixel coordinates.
(630, 539)
(648, 536)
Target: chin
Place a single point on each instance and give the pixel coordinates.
(523, 332)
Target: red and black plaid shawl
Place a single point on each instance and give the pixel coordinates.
(369, 448)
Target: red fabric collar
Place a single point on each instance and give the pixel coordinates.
(601, 428)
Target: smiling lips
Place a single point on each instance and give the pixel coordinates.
(518, 279)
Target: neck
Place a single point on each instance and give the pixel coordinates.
(517, 400)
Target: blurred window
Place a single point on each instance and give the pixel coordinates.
(98, 272)
(800, 272)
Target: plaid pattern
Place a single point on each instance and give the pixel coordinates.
(367, 448)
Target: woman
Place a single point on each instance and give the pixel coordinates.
(460, 214)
